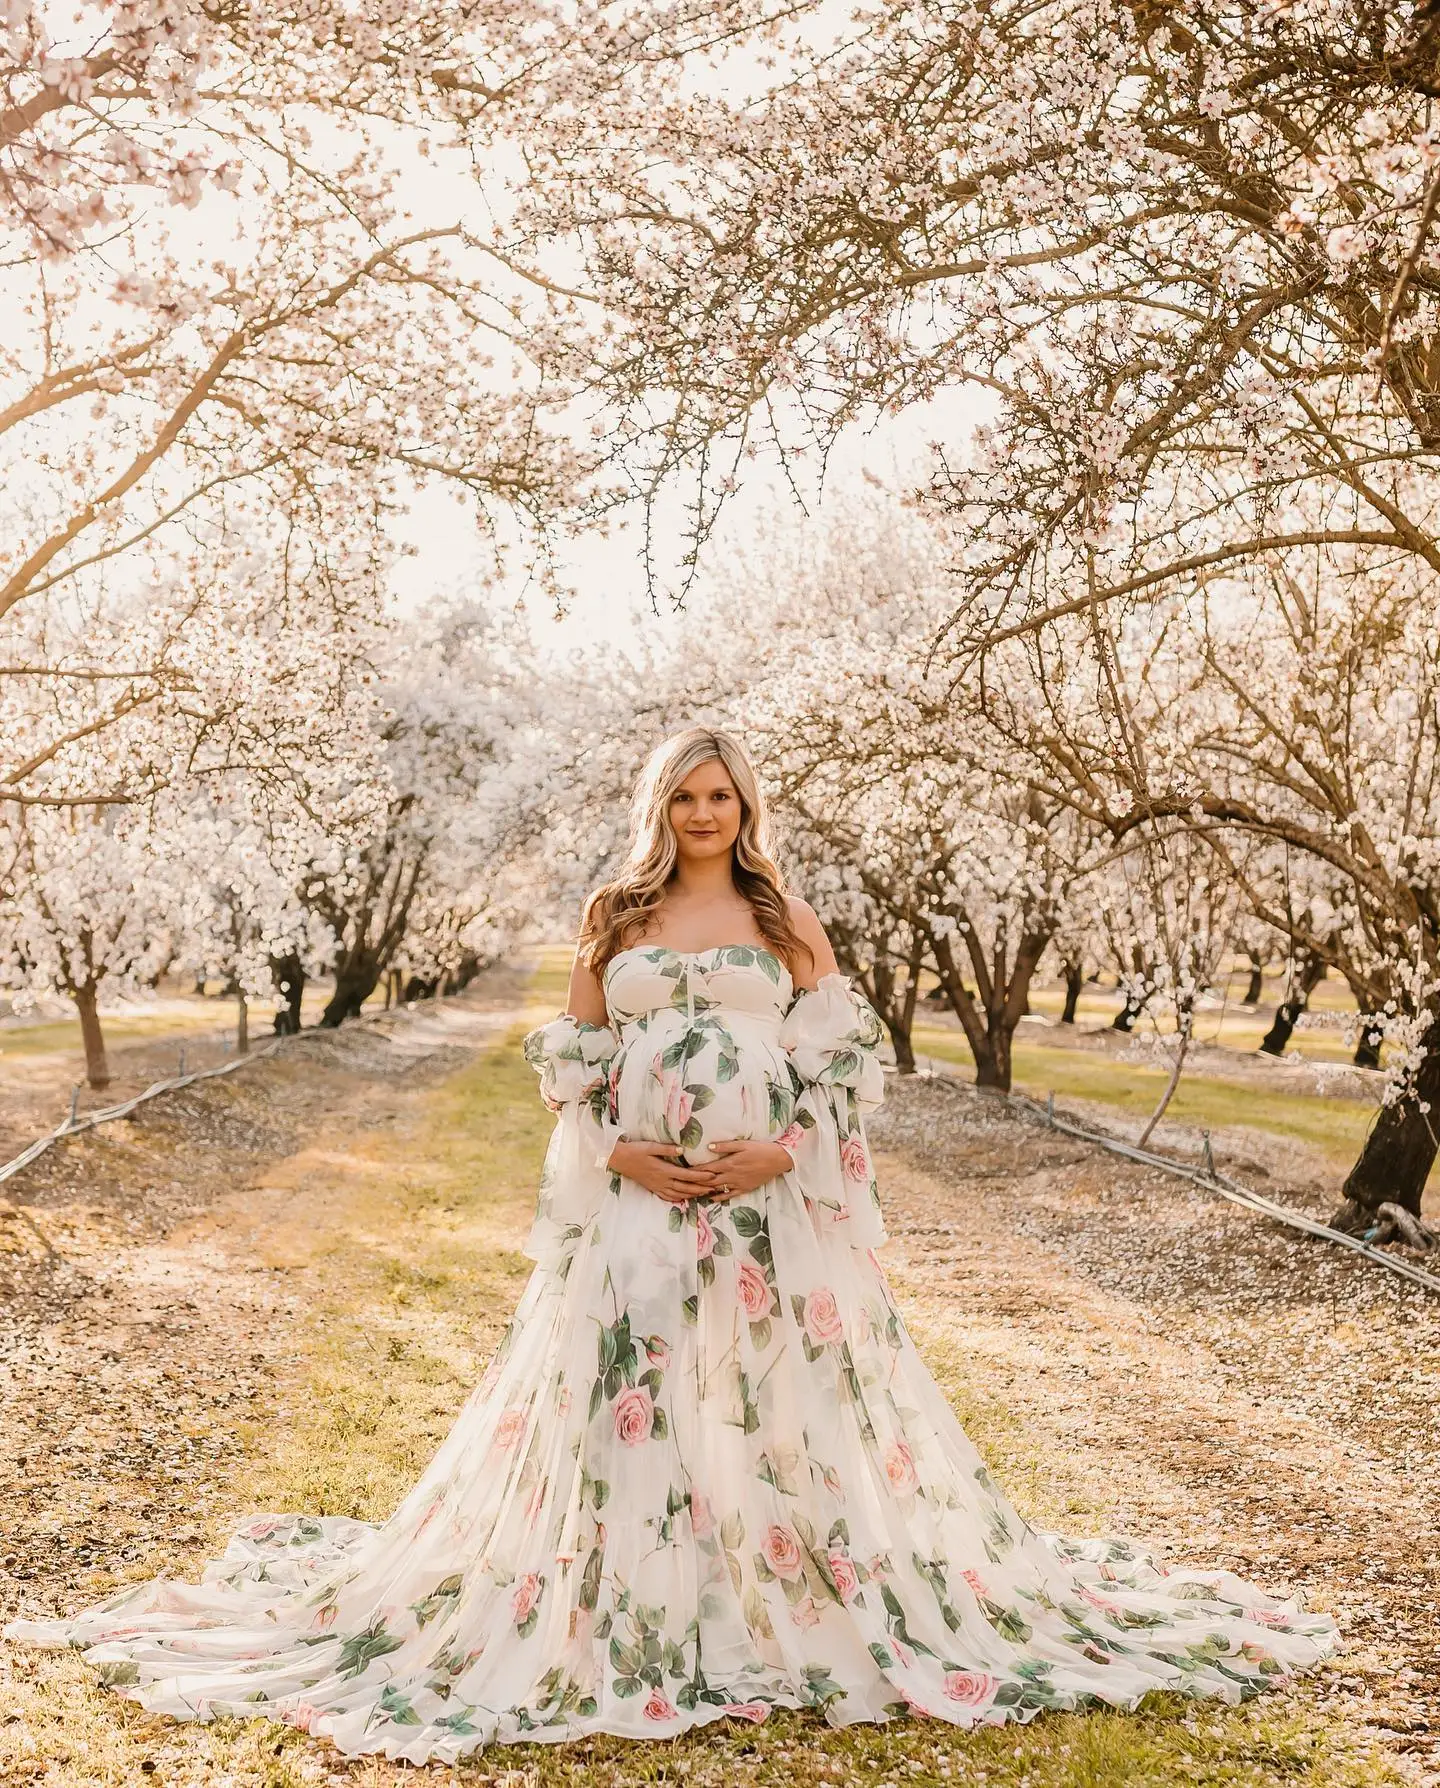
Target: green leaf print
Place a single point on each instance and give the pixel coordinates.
(459, 1722)
(692, 1135)
(360, 1650)
(439, 1601)
(760, 1332)
(768, 966)
(691, 1307)
(397, 1708)
(732, 1531)
(882, 1656)
(746, 1221)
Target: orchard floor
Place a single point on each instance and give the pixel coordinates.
(273, 1291)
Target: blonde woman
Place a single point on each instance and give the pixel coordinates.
(706, 1474)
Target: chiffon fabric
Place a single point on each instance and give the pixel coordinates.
(706, 1474)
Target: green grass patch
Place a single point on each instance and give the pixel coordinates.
(1338, 1126)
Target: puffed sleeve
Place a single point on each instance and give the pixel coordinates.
(832, 1035)
(573, 1060)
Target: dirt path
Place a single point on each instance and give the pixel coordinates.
(1240, 1394)
(147, 1331)
(1132, 1356)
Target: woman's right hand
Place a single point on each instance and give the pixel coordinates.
(656, 1167)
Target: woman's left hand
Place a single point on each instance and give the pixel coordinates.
(746, 1166)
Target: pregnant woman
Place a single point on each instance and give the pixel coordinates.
(706, 1473)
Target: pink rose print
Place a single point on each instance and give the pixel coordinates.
(805, 1613)
(657, 1708)
(972, 1688)
(1269, 1617)
(302, 1715)
(847, 1579)
(753, 1290)
(879, 1568)
(854, 1159)
(822, 1317)
(900, 1468)
(702, 1520)
(903, 1654)
(976, 1582)
(536, 1501)
(325, 1617)
(1104, 1603)
(657, 1351)
(265, 1528)
(527, 1594)
(509, 1429)
(918, 1708)
(634, 1416)
(781, 1551)
(831, 1479)
(678, 1106)
(789, 1137)
(754, 1711)
(704, 1237)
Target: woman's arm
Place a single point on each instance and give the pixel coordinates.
(811, 932)
(586, 998)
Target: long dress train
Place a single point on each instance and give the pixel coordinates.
(706, 1473)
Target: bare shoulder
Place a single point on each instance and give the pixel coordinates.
(812, 934)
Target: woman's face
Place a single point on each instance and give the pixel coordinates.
(705, 812)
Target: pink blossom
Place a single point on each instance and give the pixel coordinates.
(634, 1416)
(303, 1715)
(509, 1429)
(527, 1594)
(702, 1520)
(822, 1317)
(704, 1236)
(972, 1688)
(754, 1711)
(900, 1468)
(1269, 1617)
(657, 1708)
(847, 1579)
(754, 1291)
(781, 1551)
(325, 1617)
(853, 1159)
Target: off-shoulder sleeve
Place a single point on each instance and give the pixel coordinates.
(573, 1061)
(832, 1035)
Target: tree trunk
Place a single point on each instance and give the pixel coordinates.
(1074, 987)
(992, 1061)
(242, 1025)
(1309, 976)
(1257, 983)
(288, 974)
(97, 1067)
(1400, 1150)
(1367, 1050)
(1124, 1019)
(357, 974)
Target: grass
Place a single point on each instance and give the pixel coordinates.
(410, 1246)
(1132, 1090)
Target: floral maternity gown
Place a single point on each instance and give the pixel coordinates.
(706, 1473)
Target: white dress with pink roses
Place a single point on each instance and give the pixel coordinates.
(706, 1473)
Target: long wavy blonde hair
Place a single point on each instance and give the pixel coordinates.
(619, 913)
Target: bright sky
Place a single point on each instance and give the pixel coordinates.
(450, 558)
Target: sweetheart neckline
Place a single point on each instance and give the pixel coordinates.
(759, 949)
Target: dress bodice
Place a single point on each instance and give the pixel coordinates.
(700, 1058)
(741, 979)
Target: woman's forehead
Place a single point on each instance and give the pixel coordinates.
(710, 775)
